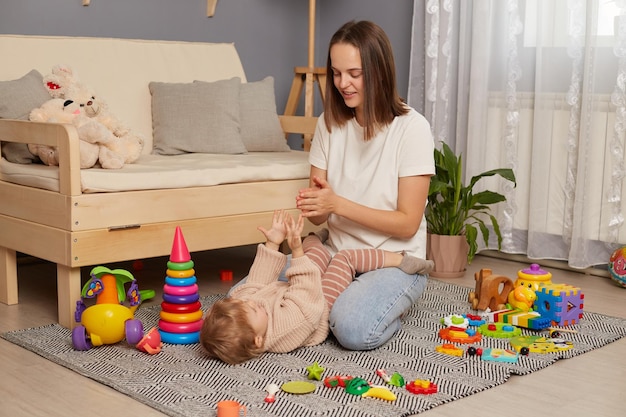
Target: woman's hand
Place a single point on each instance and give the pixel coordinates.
(317, 201)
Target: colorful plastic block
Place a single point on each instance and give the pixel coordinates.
(562, 304)
(527, 319)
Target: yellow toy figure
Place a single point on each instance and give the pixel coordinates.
(528, 282)
(522, 297)
(108, 321)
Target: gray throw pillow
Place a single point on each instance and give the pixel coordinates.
(17, 99)
(260, 126)
(196, 117)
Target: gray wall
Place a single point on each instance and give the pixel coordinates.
(271, 36)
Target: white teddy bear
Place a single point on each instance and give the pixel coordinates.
(97, 142)
(96, 125)
(56, 111)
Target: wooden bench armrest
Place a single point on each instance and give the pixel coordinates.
(62, 136)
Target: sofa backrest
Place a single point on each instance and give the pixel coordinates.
(119, 70)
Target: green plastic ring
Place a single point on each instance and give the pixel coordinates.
(179, 266)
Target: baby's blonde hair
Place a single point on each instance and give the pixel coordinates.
(226, 333)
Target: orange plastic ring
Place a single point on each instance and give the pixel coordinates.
(186, 273)
(181, 318)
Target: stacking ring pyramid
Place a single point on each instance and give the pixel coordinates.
(181, 314)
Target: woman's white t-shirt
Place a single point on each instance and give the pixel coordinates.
(368, 172)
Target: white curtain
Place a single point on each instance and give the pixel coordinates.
(537, 86)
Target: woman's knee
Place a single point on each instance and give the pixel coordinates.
(367, 314)
(362, 333)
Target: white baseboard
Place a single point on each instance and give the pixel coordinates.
(552, 263)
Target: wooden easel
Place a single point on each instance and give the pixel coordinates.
(305, 77)
(210, 7)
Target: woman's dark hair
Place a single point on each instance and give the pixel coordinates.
(381, 102)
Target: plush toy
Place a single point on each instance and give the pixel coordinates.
(57, 111)
(96, 125)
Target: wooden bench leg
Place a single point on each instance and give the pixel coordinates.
(8, 276)
(68, 293)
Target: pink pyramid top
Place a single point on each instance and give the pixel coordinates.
(179, 253)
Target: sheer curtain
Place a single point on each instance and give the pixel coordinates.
(540, 87)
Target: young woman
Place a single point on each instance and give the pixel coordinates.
(371, 161)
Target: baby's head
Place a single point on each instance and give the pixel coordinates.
(234, 330)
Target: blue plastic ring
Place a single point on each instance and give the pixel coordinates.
(180, 338)
(180, 282)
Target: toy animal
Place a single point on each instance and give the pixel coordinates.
(58, 110)
(109, 320)
(491, 291)
(104, 138)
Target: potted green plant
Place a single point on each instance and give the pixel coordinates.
(455, 211)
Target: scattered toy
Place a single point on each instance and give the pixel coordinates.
(540, 344)
(491, 291)
(337, 381)
(151, 342)
(298, 387)
(357, 386)
(381, 373)
(561, 303)
(271, 389)
(499, 355)
(449, 349)
(382, 393)
(499, 330)
(474, 319)
(527, 319)
(109, 320)
(315, 371)
(556, 331)
(459, 335)
(473, 351)
(421, 386)
(455, 320)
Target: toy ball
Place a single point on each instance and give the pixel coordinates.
(617, 266)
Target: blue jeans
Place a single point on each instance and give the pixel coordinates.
(368, 313)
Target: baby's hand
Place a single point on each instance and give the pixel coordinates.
(294, 234)
(275, 235)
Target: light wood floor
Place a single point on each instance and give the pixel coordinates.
(592, 384)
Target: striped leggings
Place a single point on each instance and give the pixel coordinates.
(339, 271)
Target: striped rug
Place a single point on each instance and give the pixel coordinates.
(181, 381)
